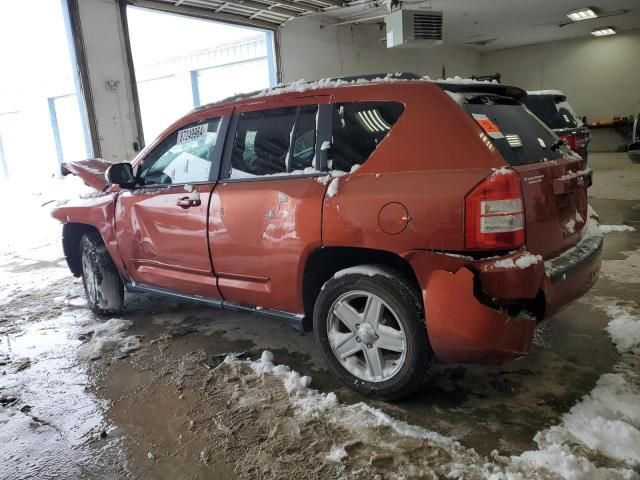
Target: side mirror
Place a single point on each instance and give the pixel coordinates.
(121, 174)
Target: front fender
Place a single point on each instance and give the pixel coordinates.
(96, 212)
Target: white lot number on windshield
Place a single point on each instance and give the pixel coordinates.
(193, 133)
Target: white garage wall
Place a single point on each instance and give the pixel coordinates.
(309, 52)
(601, 76)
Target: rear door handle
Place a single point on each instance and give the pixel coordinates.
(186, 202)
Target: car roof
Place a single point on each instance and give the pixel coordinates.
(456, 84)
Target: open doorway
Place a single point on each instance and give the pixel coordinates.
(182, 62)
(42, 112)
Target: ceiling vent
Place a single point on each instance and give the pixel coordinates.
(414, 28)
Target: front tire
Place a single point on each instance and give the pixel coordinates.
(103, 286)
(369, 326)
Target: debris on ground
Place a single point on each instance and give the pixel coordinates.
(215, 360)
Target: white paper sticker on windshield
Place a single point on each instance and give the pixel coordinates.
(193, 133)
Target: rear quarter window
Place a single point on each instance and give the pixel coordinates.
(357, 130)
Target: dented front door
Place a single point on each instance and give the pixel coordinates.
(161, 228)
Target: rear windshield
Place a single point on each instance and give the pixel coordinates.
(518, 135)
(556, 115)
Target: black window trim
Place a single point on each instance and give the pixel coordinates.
(216, 161)
(323, 133)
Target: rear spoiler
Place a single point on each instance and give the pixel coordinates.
(479, 87)
(557, 95)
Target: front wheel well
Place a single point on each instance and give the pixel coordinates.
(323, 263)
(71, 235)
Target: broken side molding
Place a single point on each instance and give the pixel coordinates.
(295, 321)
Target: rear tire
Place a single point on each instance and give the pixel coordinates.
(103, 286)
(369, 326)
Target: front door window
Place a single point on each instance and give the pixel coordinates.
(185, 156)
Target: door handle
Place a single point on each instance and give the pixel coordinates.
(186, 202)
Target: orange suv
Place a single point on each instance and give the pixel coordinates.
(404, 221)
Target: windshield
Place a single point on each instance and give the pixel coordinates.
(518, 135)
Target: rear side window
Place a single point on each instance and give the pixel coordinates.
(262, 142)
(275, 141)
(357, 130)
(518, 135)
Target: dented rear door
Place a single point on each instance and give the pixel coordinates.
(265, 215)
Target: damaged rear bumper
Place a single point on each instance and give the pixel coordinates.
(470, 304)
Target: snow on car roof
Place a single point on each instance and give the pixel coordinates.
(464, 81)
(302, 85)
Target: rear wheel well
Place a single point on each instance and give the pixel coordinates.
(71, 235)
(323, 263)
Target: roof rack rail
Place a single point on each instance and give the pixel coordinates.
(497, 77)
(375, 76)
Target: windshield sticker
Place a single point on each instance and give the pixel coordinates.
(193, 133)
(487, 125)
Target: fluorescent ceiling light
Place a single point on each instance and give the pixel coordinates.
(603, 32)
(582, 14)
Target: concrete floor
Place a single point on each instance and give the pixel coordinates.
(153, 412)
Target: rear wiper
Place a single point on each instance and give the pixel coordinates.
(556, 145)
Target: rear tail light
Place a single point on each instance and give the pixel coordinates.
(570, 140)
(494, 213)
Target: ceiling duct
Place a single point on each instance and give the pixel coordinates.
(414, 28)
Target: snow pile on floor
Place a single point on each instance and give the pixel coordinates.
(607, 420)
(604, 424)
(364, 424)
(624, 329)
(109, 336)
(616, 228)
(563, 463)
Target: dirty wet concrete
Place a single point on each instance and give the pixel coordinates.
(162, 411)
